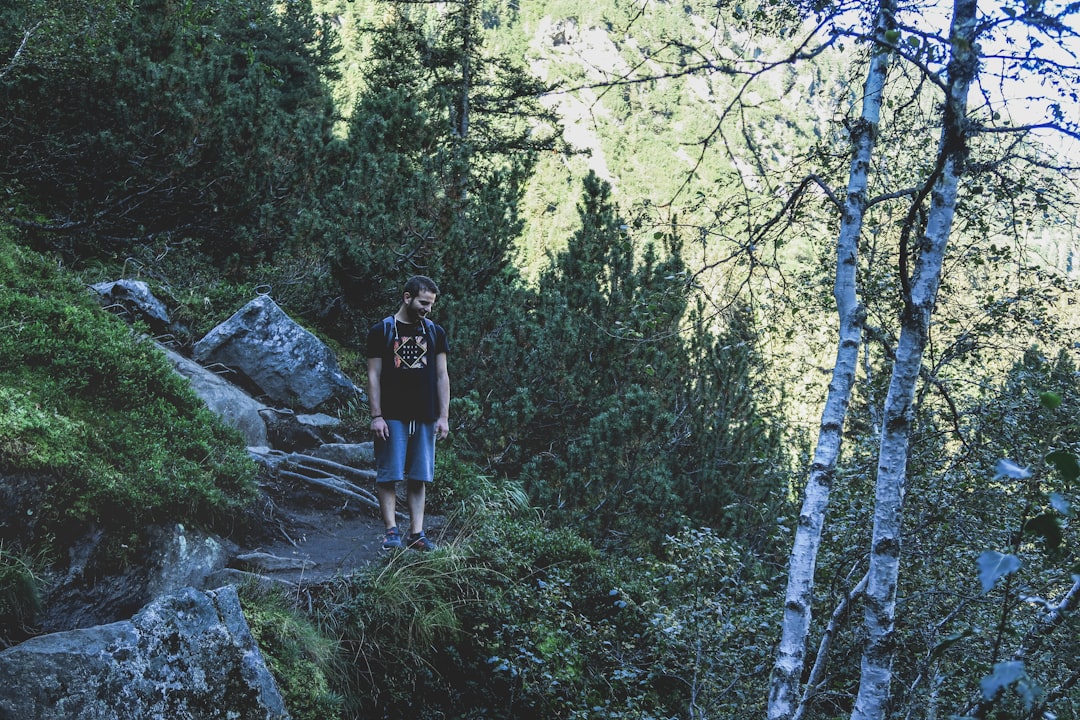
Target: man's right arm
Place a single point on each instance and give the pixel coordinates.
(374, 374)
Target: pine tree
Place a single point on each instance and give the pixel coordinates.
(732, 461)
(592, 421)
(167, 122)
(443, 141)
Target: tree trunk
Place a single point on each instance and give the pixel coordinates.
(791, 654)
(921, 296)
(466, 71)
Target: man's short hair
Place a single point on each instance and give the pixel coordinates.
(420, 283)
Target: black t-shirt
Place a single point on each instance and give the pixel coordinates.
(409, 379)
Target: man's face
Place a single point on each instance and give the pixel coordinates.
(419, 305)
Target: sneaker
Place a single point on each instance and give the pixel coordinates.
(392, 541)
(420, 541)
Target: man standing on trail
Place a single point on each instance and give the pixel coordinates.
(409, 395)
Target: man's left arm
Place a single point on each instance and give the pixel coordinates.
(442, 378)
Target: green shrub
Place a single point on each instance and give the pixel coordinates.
(512, 619)
(96, 411)
(206, 124)
(296, 652)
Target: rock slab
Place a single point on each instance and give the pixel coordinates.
(186, 656)
(284, 361)
(234, 405)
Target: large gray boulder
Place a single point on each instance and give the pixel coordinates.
(288, 364)
(184, 557)
(234, 405)
(187, 656)
(96, 590)
(298, 432)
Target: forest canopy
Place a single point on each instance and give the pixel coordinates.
(768, 311)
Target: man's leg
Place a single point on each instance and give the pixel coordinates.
(387, 492)
(419, 471)
(390, 468)
(417, 497)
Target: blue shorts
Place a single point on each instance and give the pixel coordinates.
(409, 453)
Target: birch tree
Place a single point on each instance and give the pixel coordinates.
(790, 659)
(13, 61)
(930, 220)
(920, 296)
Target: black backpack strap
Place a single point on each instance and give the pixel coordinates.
(388, 330)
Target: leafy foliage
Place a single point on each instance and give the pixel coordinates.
(590, 432)
(1008, 524)
(440, 146)
(734, 462)
(614, 417)
(514, 620)
(299, 656)
(198, 138)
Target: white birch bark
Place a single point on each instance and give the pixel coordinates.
(880, 600)
(784, 688)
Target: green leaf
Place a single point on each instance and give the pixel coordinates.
(948, 641)
(993, 566)
(1061, 503)
(1007, 468)
(1005, 674)
(1065, 463)
(892, 35)
(1047, 527)
(1050, 400)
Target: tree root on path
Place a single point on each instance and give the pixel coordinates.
(319, 472)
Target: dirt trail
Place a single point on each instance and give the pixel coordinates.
(309, 535)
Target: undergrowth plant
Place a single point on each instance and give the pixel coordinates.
(299, 655)
(512, 619)
(94, 406)
(20, 595)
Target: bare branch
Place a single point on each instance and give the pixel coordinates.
(1024, 129)
(1048, 621)
(816, 679)
(1045, 624)
(14, 62)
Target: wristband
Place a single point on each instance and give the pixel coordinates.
(376, 417)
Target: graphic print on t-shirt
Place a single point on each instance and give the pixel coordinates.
(410, 352)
